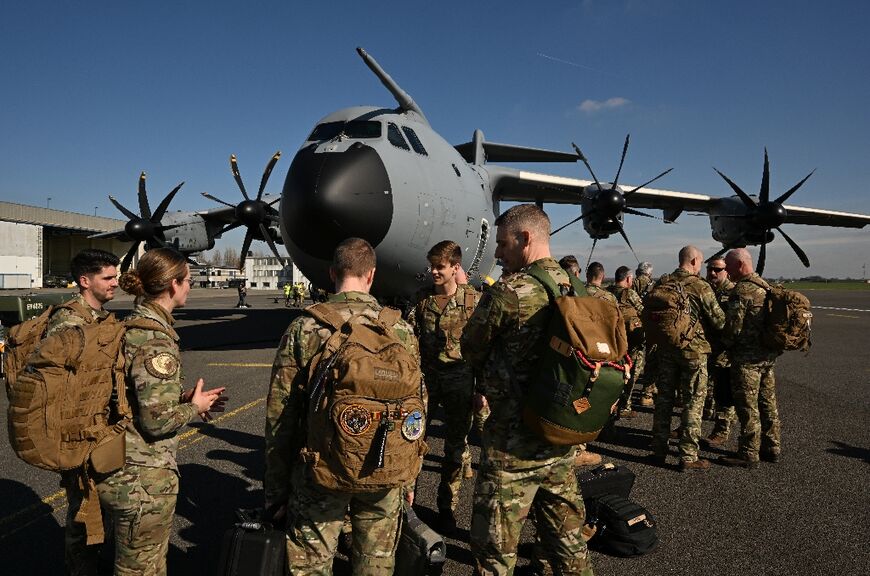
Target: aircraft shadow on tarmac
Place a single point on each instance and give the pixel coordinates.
(238, 329)
(25, 514)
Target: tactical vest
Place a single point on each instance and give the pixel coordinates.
(366, 416)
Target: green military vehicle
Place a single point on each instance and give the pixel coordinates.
(18, 308)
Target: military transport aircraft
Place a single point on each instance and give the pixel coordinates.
(385, 175)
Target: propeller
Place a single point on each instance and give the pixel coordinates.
(766, 214)
(254, 213)
(610, 200)
(145, 226)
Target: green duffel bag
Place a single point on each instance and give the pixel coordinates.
(583, 369)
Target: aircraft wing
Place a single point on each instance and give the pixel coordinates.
(819, 217)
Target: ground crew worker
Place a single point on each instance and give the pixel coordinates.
(243, 294)
(631, 307)
(594, 279)
(96, 274)
(298, 294)
(438, 319)
(519, 472)
(141, 496)
(646, 380)
(317, 513)
(288, 288)
(684, 370)
(752, 379)
(720, 403)
(584, 457)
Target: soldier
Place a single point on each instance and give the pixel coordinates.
(584, 457)
(646, 378)
(96, 274)
(438, 319)
(684, 370)
(594, 279)
(752, 379)
(719, 396)
(631, 307)
(141, 496)
(316, 512)
(519, 472)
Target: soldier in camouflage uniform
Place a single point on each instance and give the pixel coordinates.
(628, 300)
(519, 472)
(315, 513)
(685, 370)
(141, 496)
(594, 279)
(438, 319)
(752, 379)
(719, 399)
(96, 274)
(645, 378)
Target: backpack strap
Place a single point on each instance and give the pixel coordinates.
(575, 287)
(326, 315)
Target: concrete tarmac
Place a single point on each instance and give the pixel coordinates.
(807, 514)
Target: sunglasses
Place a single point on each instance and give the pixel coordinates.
(717, 270)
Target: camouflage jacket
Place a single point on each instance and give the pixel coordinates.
(745, 324)
(723, 294)
(63, 318)
(704, 307)
(287, 402)
(602, 293)
(629, 296)
(439, 331)
(154, 386)
(642, 284)
(503, 341)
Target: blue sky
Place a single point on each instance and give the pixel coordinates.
(95, 92)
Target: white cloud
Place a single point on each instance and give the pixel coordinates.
(592, 106)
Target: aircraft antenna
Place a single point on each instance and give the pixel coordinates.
(406, 103)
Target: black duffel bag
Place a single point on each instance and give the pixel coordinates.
(624, 528)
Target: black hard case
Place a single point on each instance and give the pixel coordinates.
(421, 550)
(605, 479)
(252, 548)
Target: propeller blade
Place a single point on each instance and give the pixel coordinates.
(797, 249)
(128, 257)
(621, 160)
(164, 204)
(144, 208)
(234, 166)
(625, 237)
(553, 233)
(792, 190)
(716, 255)
(588, 260)
(123, 210)
(647, 183)
(229, 227)
(269, 241)
(267, 173)
(588, 167)
(273, 202)
(218, 200)
(762, 255)
(639, 213)
(246, 245)
(764, 193)
(743, 196)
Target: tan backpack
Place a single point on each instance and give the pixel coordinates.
(366, 416)
(667, 313)
(633, 324)
(787, 319)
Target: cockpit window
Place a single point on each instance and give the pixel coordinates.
(395, 137)
(352, 129)
(415, 142)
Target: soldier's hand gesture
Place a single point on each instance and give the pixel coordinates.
(207, 401)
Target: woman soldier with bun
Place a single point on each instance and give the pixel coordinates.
(141, 496)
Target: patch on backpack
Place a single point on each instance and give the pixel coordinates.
(603, 347)
(581, 405)
(163, 365)
(412, 426)
(386, 374)
(355, 420)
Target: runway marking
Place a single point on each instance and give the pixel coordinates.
(61, 494)
(843, 316)
(241, 364)
(840, 309)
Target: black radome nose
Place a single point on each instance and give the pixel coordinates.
(332, 196)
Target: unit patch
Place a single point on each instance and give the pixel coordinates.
(412, 426)
(163, 365)
(355, 420)
(581, 405)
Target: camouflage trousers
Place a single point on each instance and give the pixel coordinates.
(504, 498)
(754, 390)
(646, 378)
(317, 515)
(80, 559)
(452, 388)
(141, 501)
(678, 374)
(638, 360)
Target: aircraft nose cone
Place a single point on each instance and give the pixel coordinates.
(329, 197)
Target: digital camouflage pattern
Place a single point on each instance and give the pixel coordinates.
(752, 364)
(142, 495)
(449, 380)
(684, 371)
(80, 559)
(519, 471)
(318, 512)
